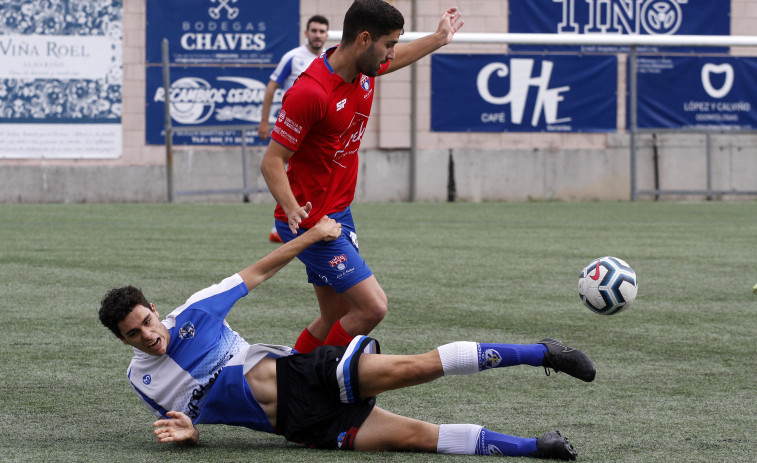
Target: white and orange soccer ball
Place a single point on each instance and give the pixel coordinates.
(607, 285)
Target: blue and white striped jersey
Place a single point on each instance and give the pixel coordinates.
(292, 64)
(202, 372)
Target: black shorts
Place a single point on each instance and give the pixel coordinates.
(319, 400)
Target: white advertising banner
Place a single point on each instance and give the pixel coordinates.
(61, 74)
(60, 141)
(56, 57)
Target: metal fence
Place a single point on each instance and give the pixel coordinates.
(631, 41)
(245, 191)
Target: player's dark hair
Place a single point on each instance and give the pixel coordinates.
(118, 304)
(375, 16)
(317, 19)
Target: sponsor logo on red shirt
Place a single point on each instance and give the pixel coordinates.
(350, 138)
(291, 139)
(293, 125)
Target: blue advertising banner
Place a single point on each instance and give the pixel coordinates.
(222, 31)
(208, 96)
(522, 93)
(693, 92)
(644, 17)
(61, 73)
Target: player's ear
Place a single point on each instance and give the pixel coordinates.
(364, 38)
(152, 306)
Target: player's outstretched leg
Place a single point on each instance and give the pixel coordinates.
(574, 362)
(465, 358)
(470, 439)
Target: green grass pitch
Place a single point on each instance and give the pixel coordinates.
(676, 373)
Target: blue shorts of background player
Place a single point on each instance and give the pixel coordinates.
(334, 263)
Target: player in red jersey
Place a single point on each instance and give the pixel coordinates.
(318, 132)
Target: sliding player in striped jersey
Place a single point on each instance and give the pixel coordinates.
(193, 369)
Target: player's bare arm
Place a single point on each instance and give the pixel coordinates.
(273, 167)
(264, 128)
(177, 428)
(408, 53)
(327, 229)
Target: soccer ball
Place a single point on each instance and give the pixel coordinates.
(607, 285)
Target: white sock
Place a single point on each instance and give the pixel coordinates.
(458, 439)
(459, 358)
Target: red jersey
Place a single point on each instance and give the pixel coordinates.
(322, 119)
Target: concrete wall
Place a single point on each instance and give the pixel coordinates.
(519, 174)
(487, 166)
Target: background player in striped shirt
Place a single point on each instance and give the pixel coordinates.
(292, 64)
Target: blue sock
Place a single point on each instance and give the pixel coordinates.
(507, 355)
(494, 443)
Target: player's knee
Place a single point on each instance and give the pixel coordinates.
(373, 310)
(374, 313)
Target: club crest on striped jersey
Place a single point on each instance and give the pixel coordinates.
(187, 330)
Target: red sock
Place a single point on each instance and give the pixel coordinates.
(307, 343)
(337, 336)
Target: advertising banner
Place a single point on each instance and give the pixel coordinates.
(522, 93)
(697, 92)
(208, 96)
(222, 31)
(60, 79)
(644, 17)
